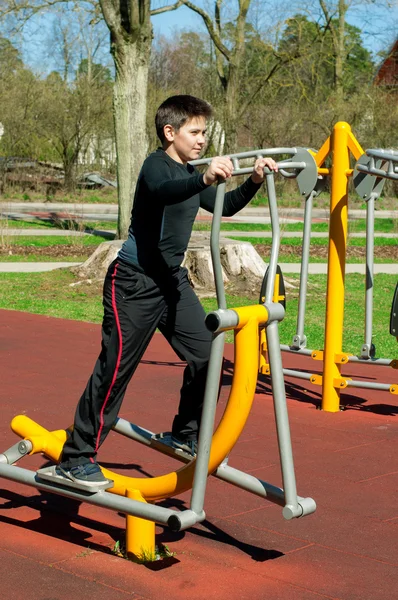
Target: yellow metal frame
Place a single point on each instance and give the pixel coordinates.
(338, 145)
(227, 433)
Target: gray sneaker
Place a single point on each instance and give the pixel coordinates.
(89, 474)
(189, 447)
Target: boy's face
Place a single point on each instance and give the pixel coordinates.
(187, 143)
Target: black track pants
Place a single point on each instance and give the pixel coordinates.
(134, 306)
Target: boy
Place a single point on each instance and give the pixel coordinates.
(146, 288)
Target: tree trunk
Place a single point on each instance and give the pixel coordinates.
(70, 173)
(129, 106)
(231, 110)
(340, 55)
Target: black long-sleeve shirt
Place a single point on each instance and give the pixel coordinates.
(167, 199)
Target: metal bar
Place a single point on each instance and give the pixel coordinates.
(298, 374)
(367, 347)
(282, 166)
(300, 340)
(282, 420)
(249, 154)
(207, 423)
(382, 362)
(273, 262)
(215, 365)
(16, 452)
(388, 154)
(368, 385)
(262, 488)
(106, 500)
(392, 173)
(304, 351)
(215, 244)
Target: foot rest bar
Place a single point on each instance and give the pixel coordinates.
(158, 514)
(305, 506)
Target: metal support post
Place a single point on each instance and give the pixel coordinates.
(140, 533)
(292, 508)
(300, 340)
(214, 370)
(336, 266)
(368, 350)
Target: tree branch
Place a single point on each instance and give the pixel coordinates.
(210, 28)
(219, 56)
(329, 20)
(265, 80)
(158, 11)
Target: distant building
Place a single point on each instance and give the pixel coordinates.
(387, 74)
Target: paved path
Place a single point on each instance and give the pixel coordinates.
(34, 267)
(98, 212)
(10, 232)
(314, 268)
(226, 233)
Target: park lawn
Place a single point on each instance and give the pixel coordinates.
(42, 241)
(354, 226)
(52, 294)
(88, 226)
(297, 241)
(100, 196)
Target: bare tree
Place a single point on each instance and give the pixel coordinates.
(229, 39)
(130, 44)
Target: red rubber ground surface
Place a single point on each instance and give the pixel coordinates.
(52, 548)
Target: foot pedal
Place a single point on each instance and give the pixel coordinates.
(49, 474)
(163, 442)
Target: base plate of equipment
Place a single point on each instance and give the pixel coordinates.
(49, 474)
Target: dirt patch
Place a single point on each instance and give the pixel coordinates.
(386, 252)
(83, 252)
(60, 251)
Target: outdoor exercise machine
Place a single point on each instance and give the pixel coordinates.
(135, 497)
(369, 175)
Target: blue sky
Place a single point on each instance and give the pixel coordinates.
(378, 26)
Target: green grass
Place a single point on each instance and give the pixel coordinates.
(52, 294)
(102, 196)
(296, 259)
(32, 258)
(39, 224)
(45, 241)
(354, 226)
(318, 241)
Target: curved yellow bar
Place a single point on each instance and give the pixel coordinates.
(227, 433)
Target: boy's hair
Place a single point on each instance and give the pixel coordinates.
(177, 110)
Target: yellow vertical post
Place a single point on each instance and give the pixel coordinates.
(140, 533)
(336, 266)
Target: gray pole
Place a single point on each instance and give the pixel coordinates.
(367, 350)
(300, 340)
(215, 366)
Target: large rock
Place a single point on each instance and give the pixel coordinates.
(243, 268)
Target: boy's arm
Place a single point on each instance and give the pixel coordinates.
(234, 201)
(158, 178)
(237, 199)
